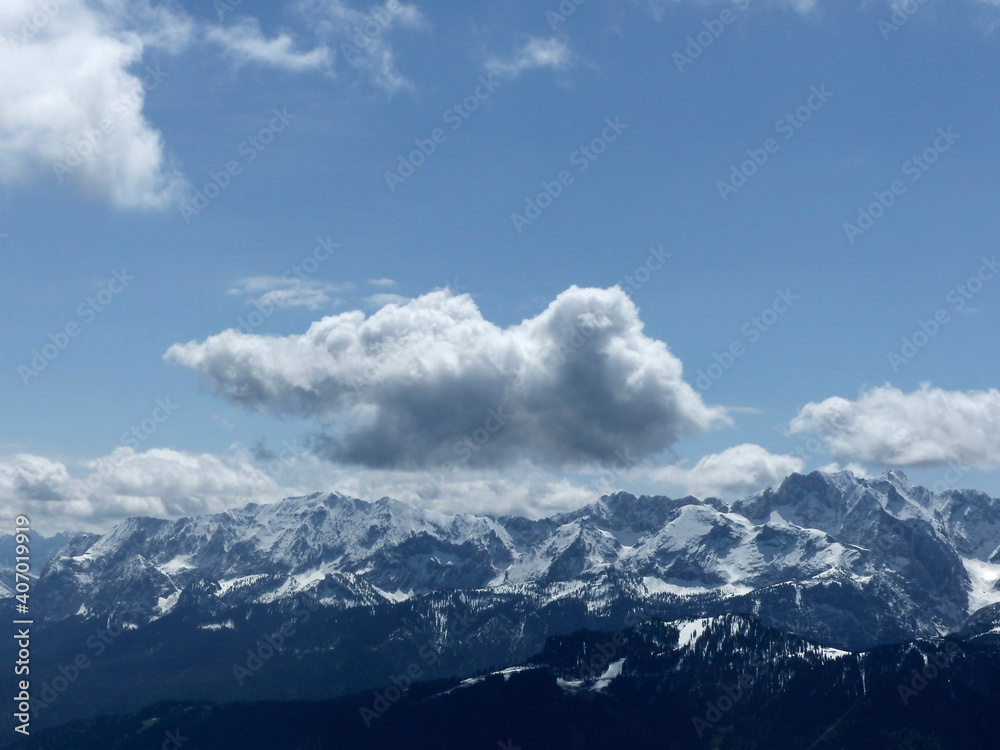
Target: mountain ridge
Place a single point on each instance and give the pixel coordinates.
(885, 538)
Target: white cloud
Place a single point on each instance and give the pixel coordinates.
(287, 291)
(802, 6)
(534, 54)
(71, 99)
(523, 489)
(362, 37)
(386, 298)
(409, 385)
(95, 494)
(734, 472)
(659, 8)
(160, 482)
(158, 25)
(856, 469)
(31, 478)
(382, 282)
(245, 43)
(928, 427)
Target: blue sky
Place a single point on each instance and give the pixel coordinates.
(310, 137)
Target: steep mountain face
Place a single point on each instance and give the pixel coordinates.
(727, 682)
(42, 550)
(852, 561)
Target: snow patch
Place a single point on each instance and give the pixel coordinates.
(226, 585)
(395, 596)
(512, 670)
(303, 580)
(570, 686)
(691, 630)
(166, 604)
(497, 580)
(287, 587)
(226, 625)
(656, 585)
(614, 669)
(177, 564)
(831, 653)
(984, 578)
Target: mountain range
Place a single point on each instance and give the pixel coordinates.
(846, 563)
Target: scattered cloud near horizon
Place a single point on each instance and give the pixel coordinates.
(97, 493)
(94, 495)
(734, 472)
(929, 427)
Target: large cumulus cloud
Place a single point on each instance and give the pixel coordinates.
(413, 383)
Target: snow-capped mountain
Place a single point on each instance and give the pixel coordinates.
(42, 550)
(853, 562)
